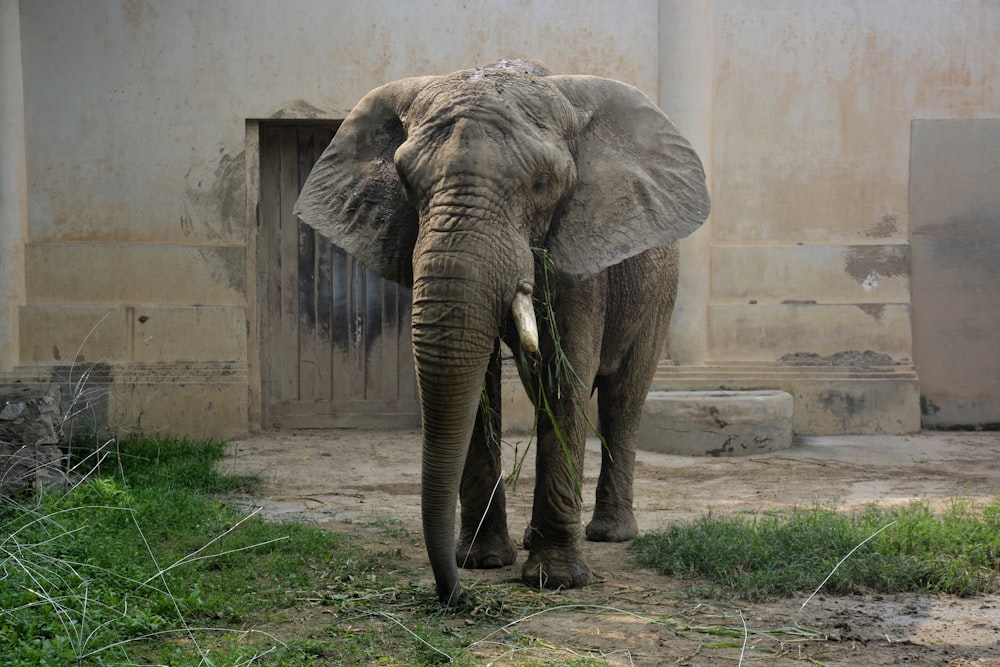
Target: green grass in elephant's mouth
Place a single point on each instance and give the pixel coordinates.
(555, 378)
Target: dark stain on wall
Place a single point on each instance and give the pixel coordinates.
(843, 405)
(883, 260)
(856, 359)
(216, 205)
(300, 110)
(873, 309)
(227, 265)
(884, 228)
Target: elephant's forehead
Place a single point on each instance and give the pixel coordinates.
(506, 98)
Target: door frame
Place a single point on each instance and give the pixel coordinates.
(255, 406)
(259, 398)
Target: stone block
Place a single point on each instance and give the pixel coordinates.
(826, 406)
(183, 399)
(30, 414)
(716, 423)
(52, 334)
(30, 456)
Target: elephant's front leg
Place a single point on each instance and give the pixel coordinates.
(484, 541)
(554, 536)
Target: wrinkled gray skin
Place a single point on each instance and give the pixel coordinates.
(444, 184)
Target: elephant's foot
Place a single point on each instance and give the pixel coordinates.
(617, 525)
(487, 552)
(556, 568)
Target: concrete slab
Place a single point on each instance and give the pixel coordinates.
(830, 398)
(716, 423)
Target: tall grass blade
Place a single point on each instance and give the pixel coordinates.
(841, 561)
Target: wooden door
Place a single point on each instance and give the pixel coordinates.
(335, 345)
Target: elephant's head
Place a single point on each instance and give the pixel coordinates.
(445, 183)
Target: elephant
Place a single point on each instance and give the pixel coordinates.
(455, 186)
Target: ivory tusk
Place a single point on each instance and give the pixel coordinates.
(524, 319)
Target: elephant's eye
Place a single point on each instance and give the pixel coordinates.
(407, 188)
(542, 183)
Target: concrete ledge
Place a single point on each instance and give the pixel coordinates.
(186, 399)
(831, 397)
(716, 423)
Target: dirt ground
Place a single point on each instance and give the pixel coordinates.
(358, 480)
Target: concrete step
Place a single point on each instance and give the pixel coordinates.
(716, 423)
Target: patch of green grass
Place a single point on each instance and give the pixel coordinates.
(956, 551)
(144, 564)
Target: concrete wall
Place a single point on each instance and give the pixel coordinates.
(139, 173)
(955, 237)
(138, 243)
(811, 113)
(13, 183)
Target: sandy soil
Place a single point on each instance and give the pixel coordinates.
(358, 480)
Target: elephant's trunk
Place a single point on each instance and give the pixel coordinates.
(445, 444)
(451, 358)
(461, 293)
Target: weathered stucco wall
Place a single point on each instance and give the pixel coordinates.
(813, 104)
(136, 109)
(812, 108)
(136, 131)
(137, 161)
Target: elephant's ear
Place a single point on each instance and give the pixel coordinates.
(639, 182)
(354, 196)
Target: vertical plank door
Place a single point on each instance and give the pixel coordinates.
(336, 350)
